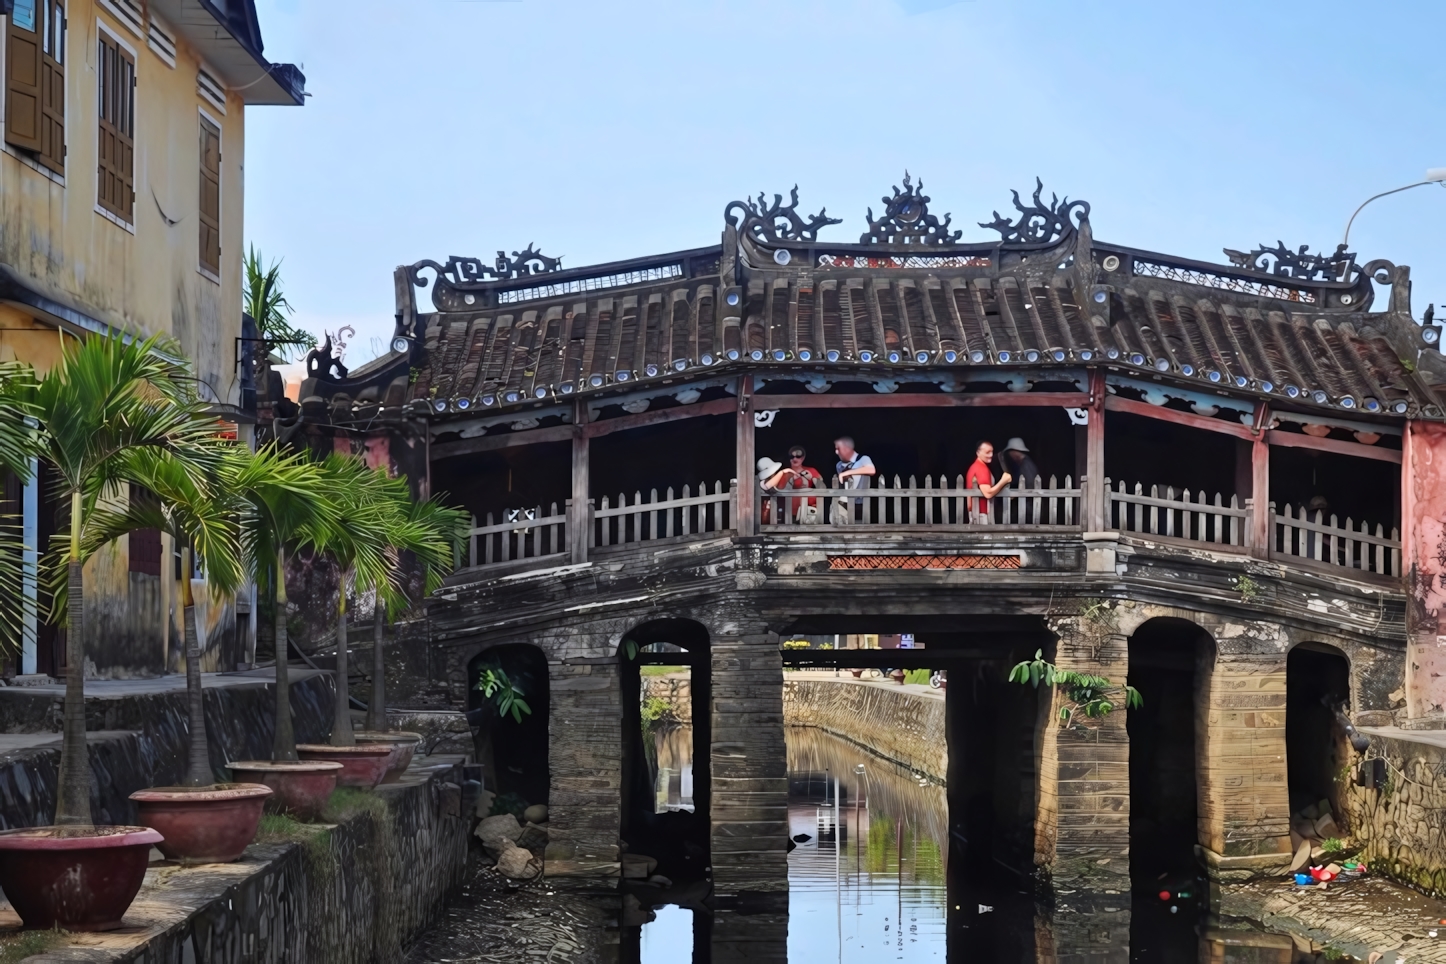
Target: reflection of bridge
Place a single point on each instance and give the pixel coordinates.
(1220, 512)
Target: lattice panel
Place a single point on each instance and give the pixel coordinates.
(923, 562)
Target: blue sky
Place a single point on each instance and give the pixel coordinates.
(610, 130)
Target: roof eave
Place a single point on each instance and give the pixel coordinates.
(236, 58)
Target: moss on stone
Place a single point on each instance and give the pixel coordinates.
(18, 946)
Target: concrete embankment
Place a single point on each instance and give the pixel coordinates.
(139, 734)
(354, 893)
(904, 724)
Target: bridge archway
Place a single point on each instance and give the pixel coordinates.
(666, 786)
(513, 753)
(1317, 681)
(1170, 664)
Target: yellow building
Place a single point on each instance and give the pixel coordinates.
(121, 203)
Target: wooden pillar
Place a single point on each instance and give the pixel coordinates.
(747, 521)
(580, 506)
(1423, 506)
(1262, 526)
(749, 768)
(1096, 499)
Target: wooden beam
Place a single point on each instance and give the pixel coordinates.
(1258, 539)
(719, 406)
(747, 522)
(912, 400)
(1094, 480)
(564, 433)
(492, 443)
(1116, 404)
(1294, 441)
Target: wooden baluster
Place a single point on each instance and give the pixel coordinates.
(961, 503)
(1036, 503)
(472, 542)
(732, 520)
(1394, 552)
(928, 501)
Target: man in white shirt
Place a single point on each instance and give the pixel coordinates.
(854, 471)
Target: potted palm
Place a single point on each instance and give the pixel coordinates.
(112, 412)
(428, 531)
(287, 505)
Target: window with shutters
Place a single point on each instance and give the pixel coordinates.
(116, 171)
(210, 196)
(35, 80)
(145, 544)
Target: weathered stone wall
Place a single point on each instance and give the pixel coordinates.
(357, 895)
(1402, 824)
(140, 741)
(883, 718)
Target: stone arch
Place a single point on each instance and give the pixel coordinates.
(668, 821)
(513, 753)
(1318, 682)
(1171, 659)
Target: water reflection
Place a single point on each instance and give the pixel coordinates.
(673, 774)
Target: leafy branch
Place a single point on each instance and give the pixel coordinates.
(498, 687)
(1087, 694)
(265, 302)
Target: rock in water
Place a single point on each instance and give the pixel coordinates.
(517, 863)
(502, 825)
(537, 813)
(533, 838)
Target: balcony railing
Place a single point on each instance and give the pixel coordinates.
(620, 522)
(533, 538)
(898, 505)
(1173, 514)
(1300, 534)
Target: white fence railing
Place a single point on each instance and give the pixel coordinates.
(523, 534)
(622, 522)
(1047, 503)
(1315, 537)
(1177, 514)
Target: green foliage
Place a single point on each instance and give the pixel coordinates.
(347, 802)
(16, 947)
(630, 649)
(1086, 694)
(1332, 845)
(795, 644)
(498, 687)
(653, 709)
(661, 670)
(512, 803)
(1248, 588)
(919, 676)
(264, 301)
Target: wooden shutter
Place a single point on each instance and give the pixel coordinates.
(52, 86)
(145, 544)
(22, 77)
(116, 169)
(210, 196)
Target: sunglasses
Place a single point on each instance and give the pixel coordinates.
(792, 457)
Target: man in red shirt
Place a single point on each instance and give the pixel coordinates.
(982, 478)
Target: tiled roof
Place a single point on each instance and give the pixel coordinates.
(1287, 325)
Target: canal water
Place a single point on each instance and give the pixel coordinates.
(876, 877)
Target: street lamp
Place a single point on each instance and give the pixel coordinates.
(1434, 175)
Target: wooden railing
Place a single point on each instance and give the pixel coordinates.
(622, 522)
(529, 534)
(1316, 538)
(1048, 503)
(1171, 513)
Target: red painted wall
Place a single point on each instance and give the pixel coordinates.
(1423, 546)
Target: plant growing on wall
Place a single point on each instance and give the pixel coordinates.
(1086, 695)
(506, 695)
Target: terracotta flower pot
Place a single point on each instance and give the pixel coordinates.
(897, 676)
(203, 825)
(404, 746)
(302, 786)
(77, 878)
(361, 766)
(857, 673)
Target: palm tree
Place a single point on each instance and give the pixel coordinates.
(114, 411)
(429, 531)
(286, 506)
(202, 519)
(265, 302)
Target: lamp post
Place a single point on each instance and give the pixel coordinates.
(1434, 175)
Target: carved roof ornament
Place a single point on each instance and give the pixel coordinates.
(321, 363)
(469, 271)
(1038, 224)
(1300, 265)
(906, 220)
(779, 222)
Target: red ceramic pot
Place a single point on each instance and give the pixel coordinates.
(361, 766)
(302, 786)
(404, 746)
(203, 825)
(76, 878)
(857, 673)
(897, 676)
